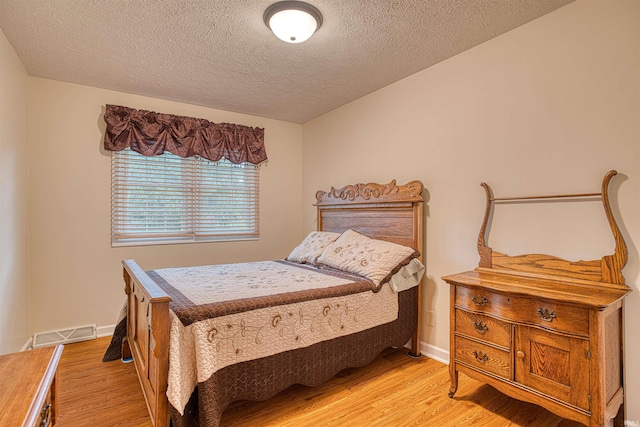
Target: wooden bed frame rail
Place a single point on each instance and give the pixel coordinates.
(148, 338)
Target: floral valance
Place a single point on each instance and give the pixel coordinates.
(152, 134)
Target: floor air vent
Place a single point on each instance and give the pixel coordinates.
(65, 336)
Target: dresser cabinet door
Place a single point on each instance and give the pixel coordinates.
(553, 364)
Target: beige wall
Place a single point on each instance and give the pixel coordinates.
(547, 108)
(550, 106)
(75, 274)
(14, 302)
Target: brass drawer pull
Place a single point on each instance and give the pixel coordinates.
(480, 327)
(479, 302)
(45, 415)
(482, 359)
(546, 315)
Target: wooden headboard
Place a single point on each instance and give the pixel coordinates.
(381, 211)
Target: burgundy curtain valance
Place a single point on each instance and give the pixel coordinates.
(151, 134)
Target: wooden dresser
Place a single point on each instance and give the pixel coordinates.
(28, 387)
(542, 329)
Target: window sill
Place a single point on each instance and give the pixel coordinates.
(153, 242)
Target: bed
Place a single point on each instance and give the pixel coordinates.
(157, 319)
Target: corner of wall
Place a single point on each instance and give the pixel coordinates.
(14, 296)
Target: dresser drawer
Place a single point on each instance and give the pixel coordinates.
(46, 417)
(482, 300)
(556, 316)
(483, 357)
(483, 327)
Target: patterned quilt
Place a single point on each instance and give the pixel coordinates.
(227, 314)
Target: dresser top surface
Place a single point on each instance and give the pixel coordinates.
(23, 375)
(581, 292)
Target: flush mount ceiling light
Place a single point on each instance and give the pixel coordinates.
(292, 21)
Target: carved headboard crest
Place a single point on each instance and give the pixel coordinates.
(368, 193)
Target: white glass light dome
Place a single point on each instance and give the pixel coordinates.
(292, 21)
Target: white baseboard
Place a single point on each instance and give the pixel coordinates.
(435, 353)
(105, 331)
(27, 345)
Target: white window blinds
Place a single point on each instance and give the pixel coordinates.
(170, 199)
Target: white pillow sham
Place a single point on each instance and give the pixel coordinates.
(374, 259)
(408, 276)
(312, 246)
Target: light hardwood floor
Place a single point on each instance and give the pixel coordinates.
(394, 390)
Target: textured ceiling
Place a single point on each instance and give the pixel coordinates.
(220, 54)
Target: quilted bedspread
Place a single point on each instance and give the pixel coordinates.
(227, 314)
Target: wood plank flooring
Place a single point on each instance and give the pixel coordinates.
(394, 390)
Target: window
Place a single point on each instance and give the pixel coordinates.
(170, 199)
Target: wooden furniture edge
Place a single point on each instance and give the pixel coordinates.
(149, 287)
(483, 249)
(529, 287)
(139, 286)
(606, 270)
(612, 265)
(371, 193)
(550, 277)
(48, 381)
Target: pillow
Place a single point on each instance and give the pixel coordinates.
(374, 259)
(312, 246)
